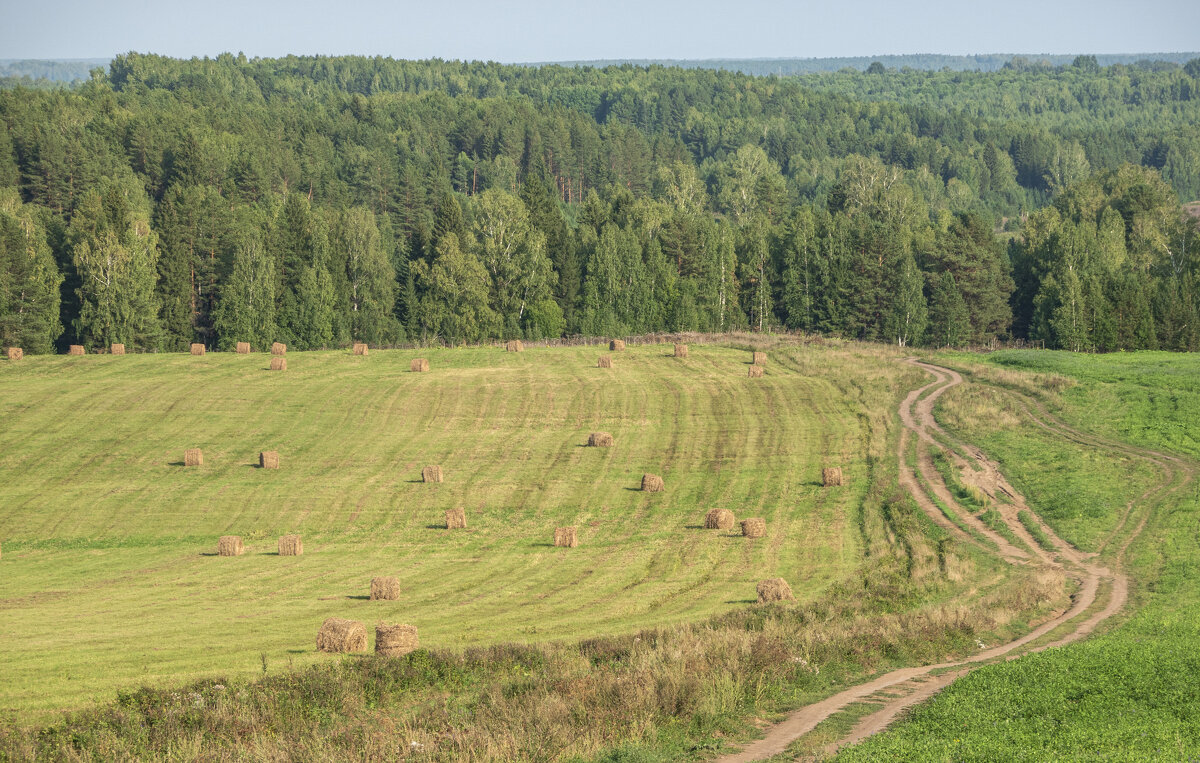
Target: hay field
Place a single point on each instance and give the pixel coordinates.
(109, 577)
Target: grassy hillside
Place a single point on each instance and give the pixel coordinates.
(108, 577)
(1131, 693)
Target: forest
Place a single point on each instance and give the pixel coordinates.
(318, 201)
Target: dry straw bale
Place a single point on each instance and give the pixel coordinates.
(385, 589)
(15, 353)
(395, 640)
(456, 519)
(279, 348)
(197, 348)
(514, 345)
(361, 349)
(774, 589)
(652, 483)
(230, 545)
(617, 345)
(243, 348)
(755, 527)
(278, 364)
(340, 635)
(681, 351)
(832, 477)
(419, 365)
(268, 459)
(193, 457)
(719, 519)
(75, 349)
(117, 349)
(431, 474)
(600, 440)
(565, 537)
(604, 362)
(290, 545)
(758, 358)
(756, 372)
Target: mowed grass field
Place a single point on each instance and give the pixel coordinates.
(109, 577)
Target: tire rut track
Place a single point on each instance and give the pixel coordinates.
(916, 414)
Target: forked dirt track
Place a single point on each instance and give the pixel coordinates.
(908, 686)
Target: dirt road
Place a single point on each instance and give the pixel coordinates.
(906, 687)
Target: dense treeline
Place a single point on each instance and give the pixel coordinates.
(317, 201)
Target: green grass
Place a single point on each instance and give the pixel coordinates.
(1130, 693)
(108, 581)
(1035, 530)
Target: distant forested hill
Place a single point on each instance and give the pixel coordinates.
(318, 200)
(54, 70)
(988, 62)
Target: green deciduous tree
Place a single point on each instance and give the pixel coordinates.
(370, 279)
(116, 256)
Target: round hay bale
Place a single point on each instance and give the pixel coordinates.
(361, 349)
(75, 349)
(197, 348)
(385, 589)
(756, 372)
(340, 635)
(514, 345)
(604, 362)
(230, 545)
(431, 474)
(652, 483)
(456, 519)
(290, 545)
(600, 440)
(278, 348)
(565, 537)
(268, 459)
(758, 358)
(419, 365)
(395, 640)
(755, 527)
(117, 349)
(193, 457)
(617, 345)
(243, 348)
(15, 353)
(719, 519)
(774, 589)
(681, 351)
(832, 477)
(278, 364)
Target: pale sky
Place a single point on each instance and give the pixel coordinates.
(545, 30)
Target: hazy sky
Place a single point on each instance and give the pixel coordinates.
(541, 30)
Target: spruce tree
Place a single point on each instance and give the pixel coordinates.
(29, 279)
(246, 312)
(949, 321)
